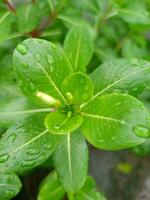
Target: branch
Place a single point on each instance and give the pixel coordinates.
(47, 22)
(10, 6)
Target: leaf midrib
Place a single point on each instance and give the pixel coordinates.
(27, 143)
(78, 51)
(102, 117)
(111, 85)
(50, 79)
(4, 17)
(69, 157)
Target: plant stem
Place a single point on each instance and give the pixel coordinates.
(51, 5)
(10, 6)
(70, 196)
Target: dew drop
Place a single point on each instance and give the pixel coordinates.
(49, 59)
(25, 65)
(69, 114)
(101, 141)
(40, 41)
(141, 131)
(20, 83)
(12, 138)
(134, 62)
(32, 87)
(4, 158)
(37, 57)
(22, 49)
(56, 126)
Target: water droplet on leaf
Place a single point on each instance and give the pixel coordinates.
(22, 49)
(37, 57)
(49, 59)
(56, 126)
(32, 87)
(4, 158)
(20, 83)
(141, 131)
(25, 65)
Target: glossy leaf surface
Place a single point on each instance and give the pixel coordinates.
(10, 185)
(114, 121)
(60, 123)
(5, 25)
(71, 160)
(78, 46)
(121, 75)
(40, 68)
(79, 86)
(51, 188)
(89, 191)
(26, 144)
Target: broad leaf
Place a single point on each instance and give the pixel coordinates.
(115, 121)
(121, 75)
(10, 185)
(78, 46)
(28, 18)
(134, 12)
(40, 68)
(79, 87)
(51, 188)
(26, 144)
(10, 101)
(71, 160)
(89, 5)
(62, 123)
(5, 25)
(89, 191)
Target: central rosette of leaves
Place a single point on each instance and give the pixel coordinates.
(76, 89)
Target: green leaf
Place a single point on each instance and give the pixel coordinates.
(40, 68)
(79, 87)
(71, 160)
(5, 25)
(26, 144)
(143, 149)
(10, 185)
(28, 17)
(79, 46)
(61, 123)
(134, 12)
(121, 75)
(89, 191)
(89, 5)
(51, 188)
(114, 121)
(10, 101)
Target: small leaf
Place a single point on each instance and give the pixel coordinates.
(110, 121)
(50, 188)
(28, 18)
(40, 67)
(26, 144)
(10, 185)
(121, 75)
(60, 123)
(89, 191)
(134, 12)
(5, 25)
(71, 160)
(79, 86)
(79, 46)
